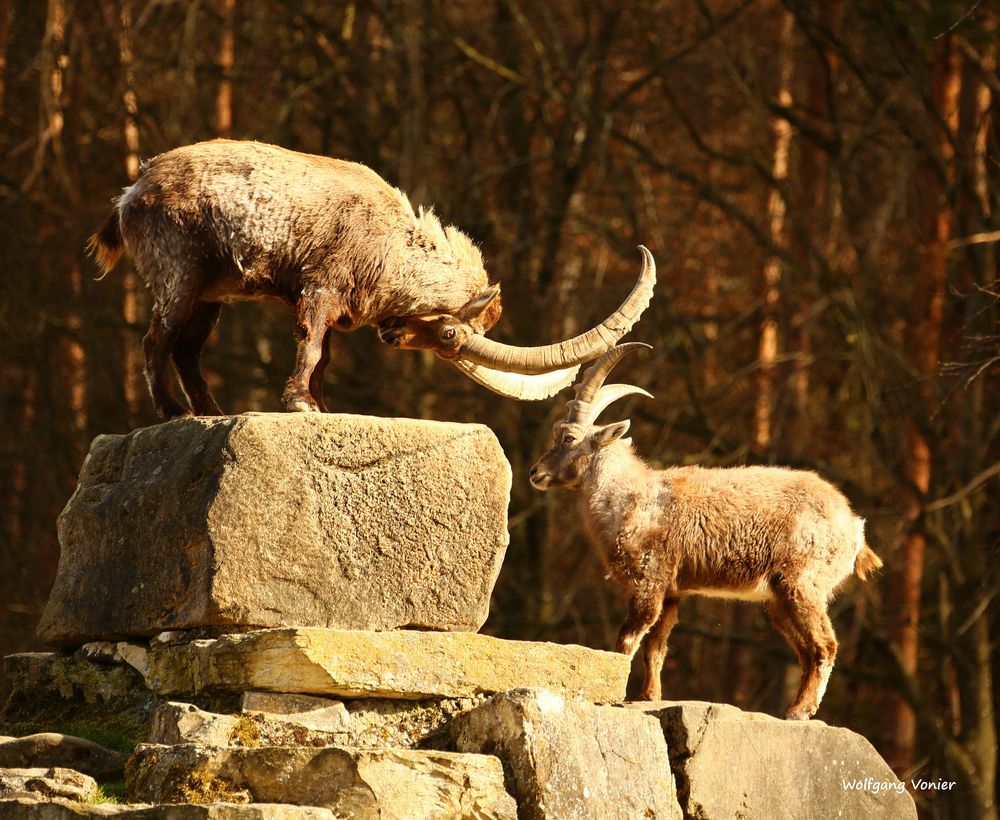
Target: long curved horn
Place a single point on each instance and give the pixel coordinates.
(517, 385)
(593, 396)
(579, 349)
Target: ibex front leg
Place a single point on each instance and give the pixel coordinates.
(311, 321)
(654, 649)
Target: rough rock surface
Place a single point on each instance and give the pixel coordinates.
(351, 782)
(61, 809)
(370, 723)
(46, 782)
(275, 519)
(573, 759)
(729, 763)
(319, 714)
(403, 664)
(35, 674)
(51, 749)
(186, 723)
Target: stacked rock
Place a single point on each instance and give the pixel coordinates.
(276, 616)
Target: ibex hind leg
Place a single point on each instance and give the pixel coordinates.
(805, 623)
(187, 357)
(164, 328)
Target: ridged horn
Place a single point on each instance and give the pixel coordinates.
(575, 351)
(593, 396)
(517, 385)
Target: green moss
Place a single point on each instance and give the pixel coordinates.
(109, 794)
(93, 721)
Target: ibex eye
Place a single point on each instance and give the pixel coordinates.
(448, 333)
(569, 438)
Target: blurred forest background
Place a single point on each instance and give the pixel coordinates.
(817, 181)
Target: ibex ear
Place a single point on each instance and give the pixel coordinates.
(611, 432)
(485, 308)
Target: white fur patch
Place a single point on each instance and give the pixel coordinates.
(825, 669)
(761, 592)
(860, 542)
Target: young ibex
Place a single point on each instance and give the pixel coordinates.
(222, 221)
(782, 537)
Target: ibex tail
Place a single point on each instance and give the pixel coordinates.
(105, 244)
(866, 563)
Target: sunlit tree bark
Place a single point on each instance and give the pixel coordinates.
(741, 665)
(134, 386)
(923, 347)
(224, 62)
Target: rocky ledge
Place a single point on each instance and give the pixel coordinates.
(189, 727)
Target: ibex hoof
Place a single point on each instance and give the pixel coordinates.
(300, 406)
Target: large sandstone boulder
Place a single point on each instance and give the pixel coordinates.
(353, 783)
(729, 763)
(574, 760)
(275, 519)
(408, 665)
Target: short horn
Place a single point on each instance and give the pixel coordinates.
(579, 349)
(592, 396)
(516, 385)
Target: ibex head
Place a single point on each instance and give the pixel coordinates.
(517, 372)
(444, 333)
(577, 438)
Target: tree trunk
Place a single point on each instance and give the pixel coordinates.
(134, 384)
(767, 342)
(922, 347)
(224, 61)
(744, 618)
(6, 24)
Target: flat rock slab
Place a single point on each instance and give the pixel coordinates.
(47, 782)
(61, 809)
(370, 723)
(308, 711)
(729, 763)
(350, 782)
(279, 519)
(573, 759)
(404, 664)
(51, 749)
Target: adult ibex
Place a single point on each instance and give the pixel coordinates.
(782, 537)
(222, 221)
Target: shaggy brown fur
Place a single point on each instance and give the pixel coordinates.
(784, 538)
(222, 221)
